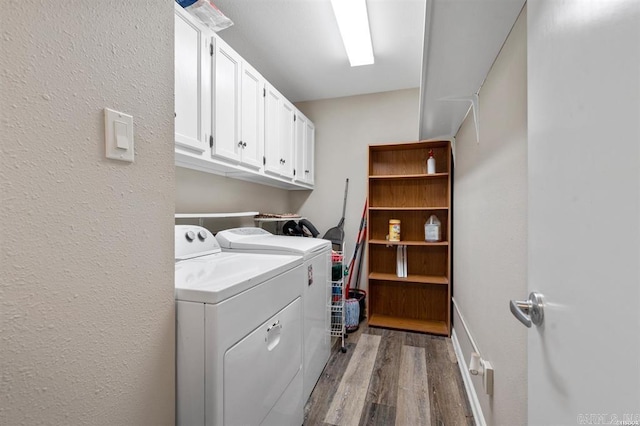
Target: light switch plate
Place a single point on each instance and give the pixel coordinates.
(118, 135)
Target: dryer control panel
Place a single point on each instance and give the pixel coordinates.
(194, 241)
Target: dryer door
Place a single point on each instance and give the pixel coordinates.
(259, 368)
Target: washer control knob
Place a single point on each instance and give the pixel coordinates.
(190, 235)
(202, 235)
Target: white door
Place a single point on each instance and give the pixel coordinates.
(191, 67)
(252, 116)
(226, 109)
(584, 210)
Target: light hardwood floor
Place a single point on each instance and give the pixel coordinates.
(390, 377)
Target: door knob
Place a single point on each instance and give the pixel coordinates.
(529, 311)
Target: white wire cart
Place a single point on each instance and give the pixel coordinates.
(338, 266)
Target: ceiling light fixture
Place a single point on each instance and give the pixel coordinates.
(353, 23)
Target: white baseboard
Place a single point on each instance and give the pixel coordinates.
(478, 417)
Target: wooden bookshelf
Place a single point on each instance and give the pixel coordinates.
(400, 188)
(413, 176)
(409, 243)
(408, 208)
(425, 279)
(424, 326)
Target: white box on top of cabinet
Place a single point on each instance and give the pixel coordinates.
(230, 120)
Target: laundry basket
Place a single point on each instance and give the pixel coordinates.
(361, 297)
(352, 315)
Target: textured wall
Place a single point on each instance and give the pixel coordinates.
(490, 230)
(345, 127)
(86, 276)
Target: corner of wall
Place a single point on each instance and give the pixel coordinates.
(490, 238)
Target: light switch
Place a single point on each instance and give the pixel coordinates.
(122, 139)
(118, 134)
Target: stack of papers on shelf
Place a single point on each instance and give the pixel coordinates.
(401, 261)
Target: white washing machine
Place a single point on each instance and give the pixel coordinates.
(316, 288)
(238, 334)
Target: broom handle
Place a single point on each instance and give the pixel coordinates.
(359, 244)
(344, 204)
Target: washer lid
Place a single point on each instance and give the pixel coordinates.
(216, 277)
(257, 239)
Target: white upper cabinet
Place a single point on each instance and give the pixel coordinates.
(299, 146)
(279, 133)
(287, 132)
(273, 99)
(252, 116)
(229, 119)
(192, 84)
(238, 110)
(309, 155)
(226, 102)
(304, 147)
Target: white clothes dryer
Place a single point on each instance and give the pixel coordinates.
(316, 288)
(238, 334)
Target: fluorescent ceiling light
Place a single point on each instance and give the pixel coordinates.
(353, 22)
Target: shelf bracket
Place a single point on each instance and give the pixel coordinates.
(474, 106)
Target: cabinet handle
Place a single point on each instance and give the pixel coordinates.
(306, 171)
(240, 144)
(244, 144)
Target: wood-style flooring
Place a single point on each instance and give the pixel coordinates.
(390, 377)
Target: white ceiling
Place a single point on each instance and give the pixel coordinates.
(296, 45)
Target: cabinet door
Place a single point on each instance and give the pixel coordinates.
(287, 117)
(226, 108)
(272, 157)
(309, 155)
(252, 116)
(300, 126)
(190, 80)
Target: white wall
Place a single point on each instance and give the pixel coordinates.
(344, 129)
(86, 276)
(199, 192)
(490, 230)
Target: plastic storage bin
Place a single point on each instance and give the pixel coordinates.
(207, 13)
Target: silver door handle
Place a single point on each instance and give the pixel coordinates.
(529, 311)
(274, 325)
